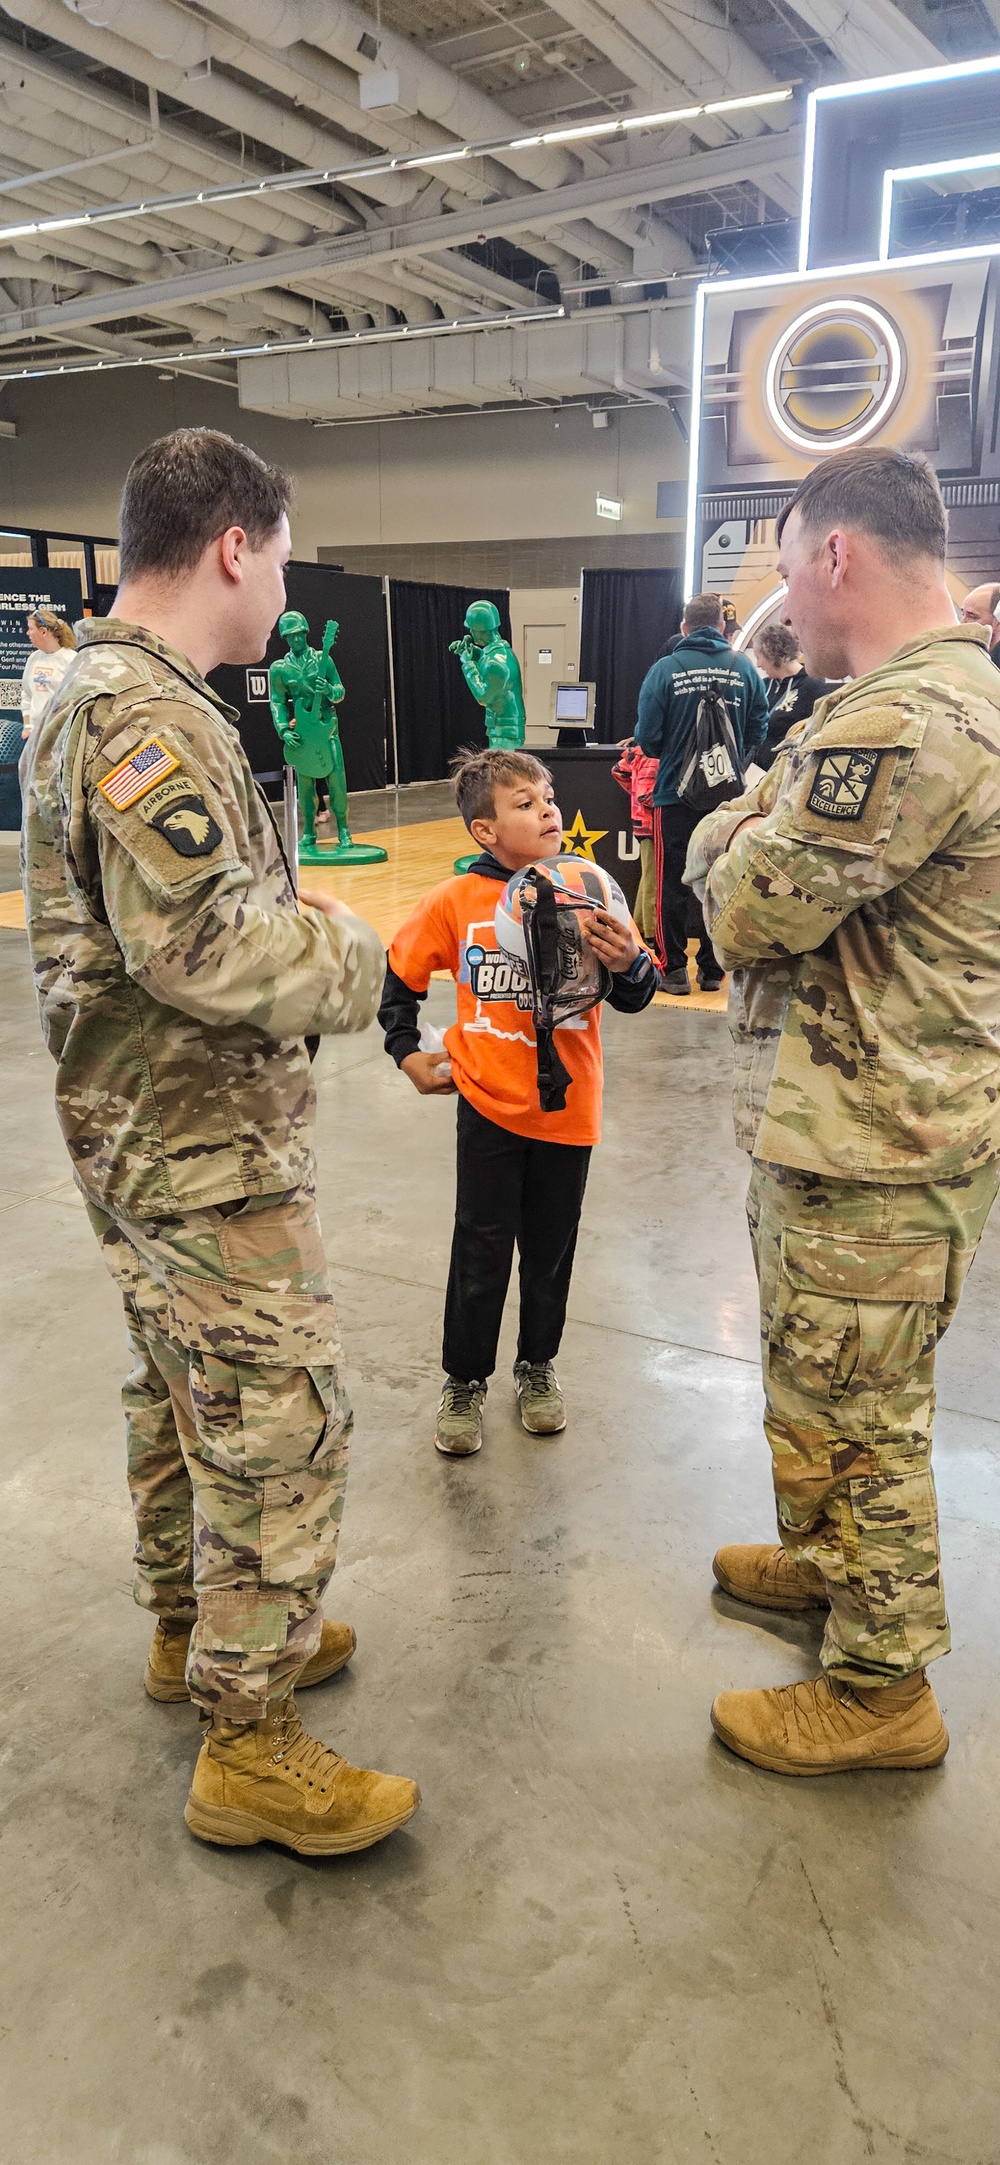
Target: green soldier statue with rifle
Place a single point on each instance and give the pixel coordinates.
(306, 690)
(493, 674)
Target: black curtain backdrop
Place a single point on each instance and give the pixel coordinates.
(627, 617)
(362, 657)
(435, 710)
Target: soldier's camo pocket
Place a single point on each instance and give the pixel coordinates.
(853, 1315)
(258, 1419)
(888, 1530)
(266, 1394)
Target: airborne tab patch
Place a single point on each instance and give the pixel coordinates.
(144, 767)
(842, 783)
(187, 824)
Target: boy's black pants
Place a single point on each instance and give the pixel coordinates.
(510, 1189)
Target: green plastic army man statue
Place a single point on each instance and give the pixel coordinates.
(306, 690)
(493, 674)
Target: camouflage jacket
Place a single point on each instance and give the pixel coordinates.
(861, 921)
(176, 975)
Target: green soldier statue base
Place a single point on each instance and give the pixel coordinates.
(493, 674)
(306, 690)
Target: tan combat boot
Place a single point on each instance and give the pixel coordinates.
(269, 1781)
(164, 1679)
(768, 1578)
(826, 1727)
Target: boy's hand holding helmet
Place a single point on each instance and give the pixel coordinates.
(613, 943)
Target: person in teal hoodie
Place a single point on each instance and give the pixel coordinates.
(702, 661)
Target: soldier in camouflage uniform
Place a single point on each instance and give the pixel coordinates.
(855, 895)
(178, 979)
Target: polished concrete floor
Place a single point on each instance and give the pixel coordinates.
(602, 1941)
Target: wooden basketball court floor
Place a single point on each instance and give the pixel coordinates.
(419, 856)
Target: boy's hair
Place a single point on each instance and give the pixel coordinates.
(475, 776)
(776, 644)
(184, 490)
(705, 612)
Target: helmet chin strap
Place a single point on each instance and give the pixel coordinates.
(542, 941)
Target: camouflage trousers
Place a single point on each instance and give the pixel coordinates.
(858, 1281)
(237, 1427)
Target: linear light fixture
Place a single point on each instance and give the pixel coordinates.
(867, 86)
(400, 334)
(757, 617)
(892, 174)
(368, 169)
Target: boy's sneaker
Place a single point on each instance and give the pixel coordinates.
(539, 1397)
(676, 982)
(459, 1429)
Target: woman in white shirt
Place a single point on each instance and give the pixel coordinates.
(54, 642)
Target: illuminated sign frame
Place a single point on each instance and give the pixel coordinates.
(812, 172)
(790, 279)
(893, 173)
(909, 80)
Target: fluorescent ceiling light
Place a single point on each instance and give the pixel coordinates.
(368, 169)
(738, 105)
(403, 333)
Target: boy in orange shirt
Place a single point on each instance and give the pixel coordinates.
(521, 1171)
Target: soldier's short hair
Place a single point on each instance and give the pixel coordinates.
(475, 776)
(776, 645)
(185, 489)
(704, 612)
(893, 496)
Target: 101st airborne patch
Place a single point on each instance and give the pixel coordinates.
(187, 824)
(842, 783)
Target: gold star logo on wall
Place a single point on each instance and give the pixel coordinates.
(578, 840)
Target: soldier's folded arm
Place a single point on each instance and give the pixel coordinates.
(851, 820)
(175, 880)
(714, 834)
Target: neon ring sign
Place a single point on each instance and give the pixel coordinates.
(834, 375)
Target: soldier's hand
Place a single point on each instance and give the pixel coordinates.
(429, 1073)
(329, 905)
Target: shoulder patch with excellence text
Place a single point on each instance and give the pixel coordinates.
(187, 824)
(842, 783)
(140, 772)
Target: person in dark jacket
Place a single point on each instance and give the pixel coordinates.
(790, 691)
(668, 705)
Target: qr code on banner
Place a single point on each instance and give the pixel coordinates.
(10, 692)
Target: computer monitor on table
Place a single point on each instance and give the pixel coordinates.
(572, 706)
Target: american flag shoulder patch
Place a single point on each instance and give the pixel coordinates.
(140, 772)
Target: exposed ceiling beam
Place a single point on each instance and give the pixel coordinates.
(652, 183)
(869, 36)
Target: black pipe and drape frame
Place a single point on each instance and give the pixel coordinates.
(436, 713)
(626, 618)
